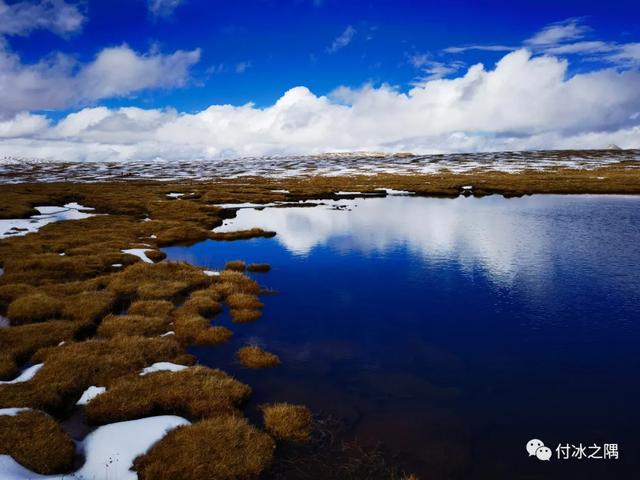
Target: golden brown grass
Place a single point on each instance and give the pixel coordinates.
(217, 448)
(202, 302)
(151, 308)
(8, 366)
(196, 392)
(229, 282)
(158, 281)
(39, 268)
(20, 342)
(182, 234)
(36, 441)
(132, 326)
(188, 211)
(192, 328)
(245, 315)
(259, 267)
(242, 234)
(155, 255)
(88, 306)
(162, 290)
(8, 293)
(244, 301)
(254, 357)
(236, 265)
(72, 368)
(35, 307)
(285, 421)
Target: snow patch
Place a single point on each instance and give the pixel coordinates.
(393, 191)
(139, 252)
(77, 206)
(26, 375)
(12, 412)
(161, 367)
(90, 393)
(15, 227)
(247, 205)
(211, 273)
(50, 210)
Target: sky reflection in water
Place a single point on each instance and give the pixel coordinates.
(451, 330)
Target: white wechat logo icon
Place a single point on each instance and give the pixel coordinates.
(536, 448)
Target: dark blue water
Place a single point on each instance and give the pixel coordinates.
(452, 331)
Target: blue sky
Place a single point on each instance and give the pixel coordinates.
(59, 57)
(285, 43)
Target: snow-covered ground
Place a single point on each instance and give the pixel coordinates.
(13, 170)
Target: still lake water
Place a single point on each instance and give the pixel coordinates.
(452, 331)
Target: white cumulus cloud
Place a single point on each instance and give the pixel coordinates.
(22, 18)
(525, 102)
(58, 81)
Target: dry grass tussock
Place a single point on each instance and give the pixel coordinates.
(36, 441)
(39, 306)
(44, 268)
(236, 265)
(35, 307)
(70, 369)
(8, 366)
(196, 330)
(158, 281)
(181, 234)
(244, 301)
(151, 308)
(217, 448)
(188, 211)
(192, 327)
(202, 302)
(245, 315)
(132, 326)
(230, 282)
(259, 267)
(285, 421)
(8, 293)
(196, 393)
(21, 342)
(242, 234)
(88, 306)
(254, 357)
